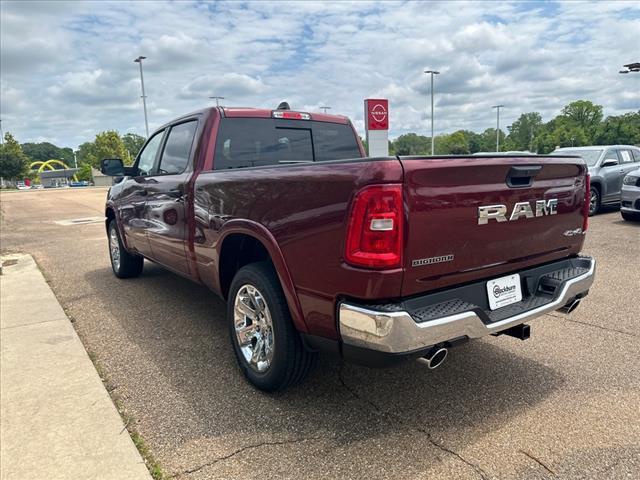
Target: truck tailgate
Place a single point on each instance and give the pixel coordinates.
(445, 242)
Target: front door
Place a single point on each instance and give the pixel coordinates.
(612, 176)
(132, 207)
(166, 213)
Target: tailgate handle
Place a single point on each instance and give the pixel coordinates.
(522, 175)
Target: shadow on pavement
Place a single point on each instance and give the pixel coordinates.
(180, 327)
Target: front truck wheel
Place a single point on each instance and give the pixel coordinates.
(124, 264)
(268, 348)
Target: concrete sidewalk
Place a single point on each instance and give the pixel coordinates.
(57, 420)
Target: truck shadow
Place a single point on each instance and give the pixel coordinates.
(177, 330)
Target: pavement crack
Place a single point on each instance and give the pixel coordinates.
(608, 329)
(393, 417)
(539, 462)
(243, 449)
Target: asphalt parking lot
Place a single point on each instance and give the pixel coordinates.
(563, 404)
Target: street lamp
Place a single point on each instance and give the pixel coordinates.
(631, 67)
(217, 99)
(324, 109)
(497, 107)
(432, 73)
(144, 97)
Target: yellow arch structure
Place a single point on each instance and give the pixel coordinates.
(40, 165)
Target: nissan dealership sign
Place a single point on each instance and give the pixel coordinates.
(377, 125)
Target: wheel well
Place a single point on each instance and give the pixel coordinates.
(110, 216)
(237, 251)
(597, 186)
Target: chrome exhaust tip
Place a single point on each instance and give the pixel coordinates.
(434, 357)
(571, 306)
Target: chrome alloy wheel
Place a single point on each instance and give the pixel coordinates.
(114, 247)
(253, 327)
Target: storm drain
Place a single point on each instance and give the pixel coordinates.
(80, 221)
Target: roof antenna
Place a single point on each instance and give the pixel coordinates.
(283, 106)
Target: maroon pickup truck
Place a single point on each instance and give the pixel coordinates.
(319, 249)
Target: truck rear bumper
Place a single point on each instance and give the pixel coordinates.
(413, 325)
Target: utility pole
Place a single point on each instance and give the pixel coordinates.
(217, 99)
(497, 107)
(144, 97)
(324, 109)
(432, 73)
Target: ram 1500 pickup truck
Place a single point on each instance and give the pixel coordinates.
(317, 248)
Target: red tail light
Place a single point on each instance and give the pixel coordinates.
(587, 201)
(374, 235)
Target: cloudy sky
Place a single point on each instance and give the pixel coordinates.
(67, 68)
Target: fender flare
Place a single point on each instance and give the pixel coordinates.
(264, 236)
(116, 216)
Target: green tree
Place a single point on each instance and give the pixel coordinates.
(453, 144)
(488, 140)
(522, 131)
(622, 129)
(84, 173)
(13, 161)
(107, 144)
(583, 114)
(133, 143)
(412, 144)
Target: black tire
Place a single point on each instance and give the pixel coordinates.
(127, 265)
(291, 362)
(595, 201)
(630, 217)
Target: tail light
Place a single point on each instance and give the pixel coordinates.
(374, 235)
(587, 202)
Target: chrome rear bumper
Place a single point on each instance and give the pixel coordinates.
(398, 332)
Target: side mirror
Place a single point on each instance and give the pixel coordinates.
(609, 162)
(112, 167)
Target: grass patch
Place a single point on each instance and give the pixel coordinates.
(129, 423)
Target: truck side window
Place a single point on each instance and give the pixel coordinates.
(177, 150)
(147, 158)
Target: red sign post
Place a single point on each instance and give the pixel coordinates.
(377, 114)
(376, 111)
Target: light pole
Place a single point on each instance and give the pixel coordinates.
(144, 97)
(217, 99)
(497, 107)
(324, 109)
(432, 73)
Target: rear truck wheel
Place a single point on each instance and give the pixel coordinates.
(124, 264)
(594, 201)
(630, 217)
(268, 348)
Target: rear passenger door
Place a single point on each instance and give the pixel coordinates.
(167, 216)
(628, 163)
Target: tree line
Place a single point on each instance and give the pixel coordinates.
(579, 123)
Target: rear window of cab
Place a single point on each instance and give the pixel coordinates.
(254, 142)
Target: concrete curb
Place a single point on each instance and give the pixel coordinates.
(57, 420)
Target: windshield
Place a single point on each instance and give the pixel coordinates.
(589, 156)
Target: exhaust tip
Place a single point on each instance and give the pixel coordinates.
(571, 306)
(434, 358)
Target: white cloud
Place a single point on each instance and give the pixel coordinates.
(68, 72)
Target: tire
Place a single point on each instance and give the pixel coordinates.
(123, 264)
(595, 201)
(630, 217)
(268, 348)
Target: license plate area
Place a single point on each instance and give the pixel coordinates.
(504, 291)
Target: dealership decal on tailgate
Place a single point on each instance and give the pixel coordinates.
(504, 291)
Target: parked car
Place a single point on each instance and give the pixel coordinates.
(318, 249)
(630, 207)
(608, 165)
